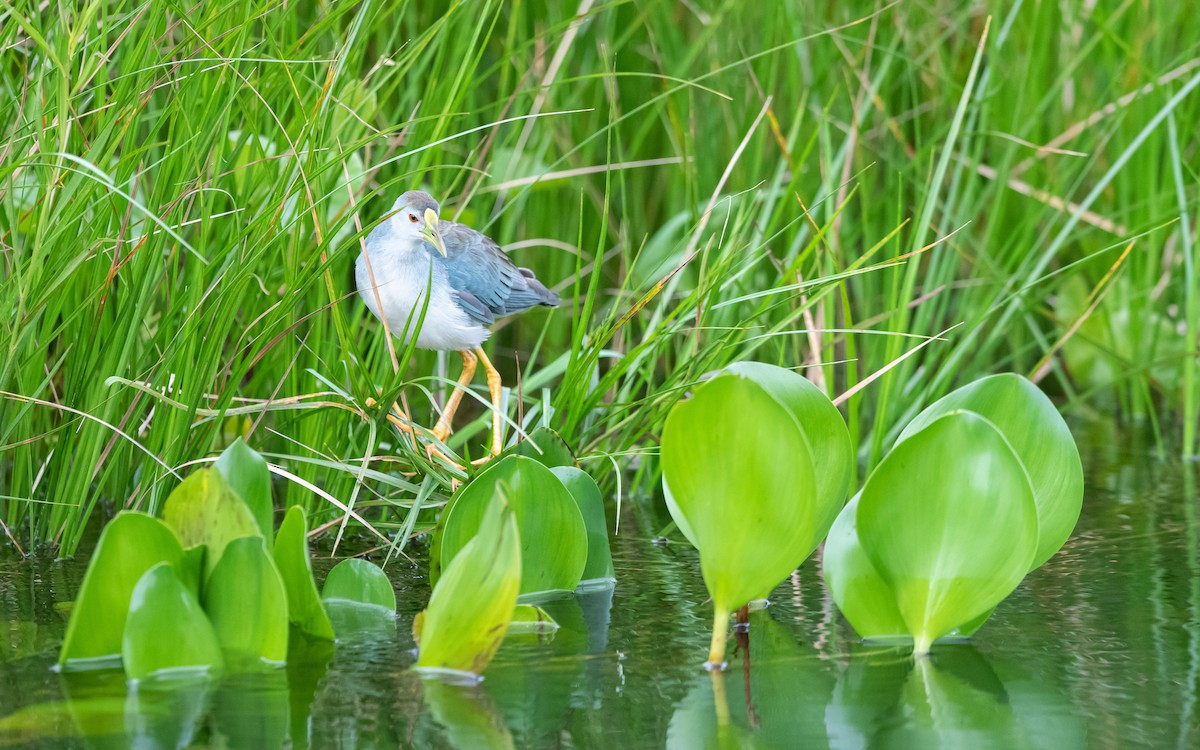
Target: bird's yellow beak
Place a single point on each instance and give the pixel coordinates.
(430, 232)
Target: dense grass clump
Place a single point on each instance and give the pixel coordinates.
(183, 188)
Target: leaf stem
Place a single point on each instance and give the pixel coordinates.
(716, 651)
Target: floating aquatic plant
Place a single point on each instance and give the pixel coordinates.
(598, 569)
(246, 573)
(473, 601)
(291, 556)
(359, 599)
(981, 487)
(553, 535)
(247, 475)
(205, 587)
(167, 630)
(740, 473)
(131, 544)
(1035, 431)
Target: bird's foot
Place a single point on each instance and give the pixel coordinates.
(433, 452)
(396, 416)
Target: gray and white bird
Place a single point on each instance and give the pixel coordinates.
(468, 280)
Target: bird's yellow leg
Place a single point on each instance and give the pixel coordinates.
(441, 430)
(494, 384)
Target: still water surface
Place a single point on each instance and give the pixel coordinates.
(1098, 649)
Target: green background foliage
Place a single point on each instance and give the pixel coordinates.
(182, 188)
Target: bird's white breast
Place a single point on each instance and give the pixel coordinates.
(402, 278)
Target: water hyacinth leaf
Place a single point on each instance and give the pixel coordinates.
(553, 537)
(246, 474)
(743, 482)
(598, 570)
(473, 601)
(247, 603)
(859, 591)
(948, 519)
(359, 581)
(291, 558)
(545, 446)
(130, 545)
(1038, 435)
(204, 510)
(166, 629)
(191, 568)
(823, 426)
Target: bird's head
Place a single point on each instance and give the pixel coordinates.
(415, 216)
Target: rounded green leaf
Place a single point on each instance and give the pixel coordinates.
(130, 544)
(247, 603)
(743, 482)
(473, 601)
(1038, 435)
(863, 597)
(359, 581)
(599, 568)
(823, 426)
(166, 629)
(291, 558)
(203, 510)
(246, 473)
(948, 519)
(553, 537)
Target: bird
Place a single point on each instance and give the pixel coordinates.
(445, 284)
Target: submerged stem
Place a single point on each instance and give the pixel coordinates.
(716, 650)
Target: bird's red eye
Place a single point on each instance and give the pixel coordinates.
(412, 218)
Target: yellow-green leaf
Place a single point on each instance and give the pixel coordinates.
(743, 481)
(247, 603)
(948, 519)
(360, 581)
(823, 426)
(167, 631)
(598, 570)
(553, 537)
(473, 601)
(1038, 436)
(861, 594)
(203, 510)
(130, 544)
(295, 567)
(246, 473)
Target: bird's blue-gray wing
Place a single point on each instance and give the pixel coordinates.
(485, 278)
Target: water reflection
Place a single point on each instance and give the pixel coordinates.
(776, 696)
(773, 695)
(1099, 648)
(533, 687)
(237, 711)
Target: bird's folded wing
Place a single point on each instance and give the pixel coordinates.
(484, 277)
(471, 305)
